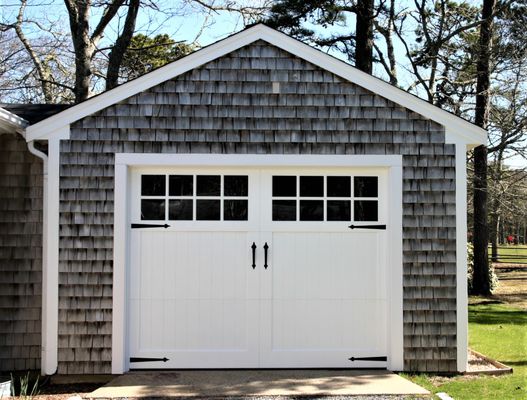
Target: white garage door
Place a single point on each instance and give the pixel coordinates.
(269, 268)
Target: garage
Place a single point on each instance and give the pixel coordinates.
(258, 267)
(255, 204)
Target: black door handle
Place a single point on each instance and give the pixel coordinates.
(253, 247)
(138, 226)
(266, 247)
(380, 227)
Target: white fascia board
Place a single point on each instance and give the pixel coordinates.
(10, 122)
(459, 128)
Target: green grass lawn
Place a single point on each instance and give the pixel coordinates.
(500, 332)
(509, 253)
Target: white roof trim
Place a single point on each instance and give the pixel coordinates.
(458, 129)
(10, 122)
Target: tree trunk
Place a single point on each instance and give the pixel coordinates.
(481, 283)
(121, 44)
(364, 36)
(79, 14)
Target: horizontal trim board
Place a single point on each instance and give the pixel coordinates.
(455, 126)
(257, 160)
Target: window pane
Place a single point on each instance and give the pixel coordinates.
(338, 210)
(311, 210)
(365, 186)
(208, 185)
(312, 186)
(284, 210)
(339, 186)
(235, 186)
(153, 185)
(152, 209)
(180, 185)
(284, 186)
(180, 210)
(365, 210)
(208, 210)
(235, 210)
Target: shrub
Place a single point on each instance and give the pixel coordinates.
(470, 270)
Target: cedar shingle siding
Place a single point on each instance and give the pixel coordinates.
(228, 106)
(20, 255)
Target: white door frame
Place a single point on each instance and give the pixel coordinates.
(123, 161)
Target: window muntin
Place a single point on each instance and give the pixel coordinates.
(185, 197)
(325, 198)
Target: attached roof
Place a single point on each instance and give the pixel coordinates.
(457, 129)
(34, 113)
(11, 123)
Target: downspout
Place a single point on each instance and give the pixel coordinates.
(45, 307)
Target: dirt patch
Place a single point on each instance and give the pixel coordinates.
(512, 288)
(480, 364)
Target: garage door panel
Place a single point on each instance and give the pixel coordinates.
(320, 325)
(190, 296)
(324, 300)
(326, 265)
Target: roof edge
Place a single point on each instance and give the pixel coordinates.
(10, 122)
(458, 128)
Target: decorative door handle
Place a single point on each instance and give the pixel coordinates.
(266, 247)
(253, 247)
(139, 226)
(380, 227)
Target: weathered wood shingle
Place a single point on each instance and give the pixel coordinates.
(20, 255)
(233, 105)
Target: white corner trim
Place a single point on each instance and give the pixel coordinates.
(461, 258)
(50, 276)
(119, 306)
(395, 263)
(458, 127)
(125, 161)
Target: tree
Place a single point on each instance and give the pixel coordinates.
(34, 68)
(145, 54)
(481, 282)
(507, 124)
(85, 41)
(291, 16)
(438, 41)
(92, 50)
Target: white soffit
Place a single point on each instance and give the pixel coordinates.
(10, 123)
(457, 129)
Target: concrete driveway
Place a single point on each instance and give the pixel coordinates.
(259, 383)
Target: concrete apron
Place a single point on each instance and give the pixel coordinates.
(236, 383)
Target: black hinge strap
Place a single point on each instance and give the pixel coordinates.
(143, 359)
(383, 358)
(138, 226)
(367, 226)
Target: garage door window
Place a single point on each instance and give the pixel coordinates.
(325, 198)
(194, 197)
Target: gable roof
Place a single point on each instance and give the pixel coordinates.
(457, 129)
(10, 123)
